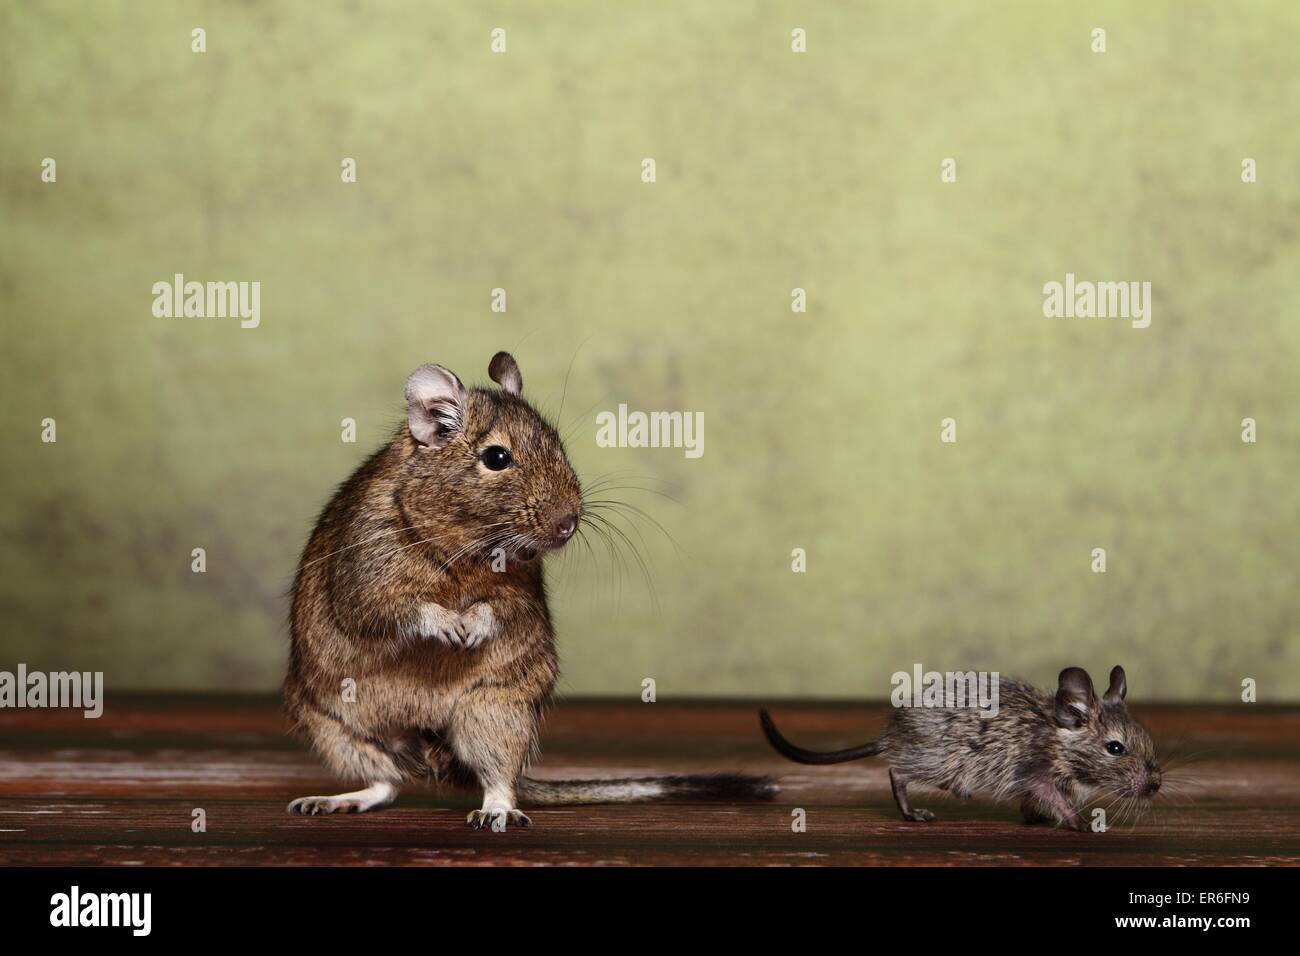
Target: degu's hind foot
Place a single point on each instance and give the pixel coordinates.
(919, 816)
(497, 819)
(358, 801)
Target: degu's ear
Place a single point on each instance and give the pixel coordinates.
(505, 372)
(434, 397)
(1118, 686)
(1074, 697)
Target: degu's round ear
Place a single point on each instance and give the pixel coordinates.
(1118, 686)
(504, 370)
(434, 400)
(1075, 700)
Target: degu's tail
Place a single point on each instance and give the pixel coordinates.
(799, 755)
(714, 787)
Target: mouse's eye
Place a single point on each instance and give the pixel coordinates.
(496, 458)
(1115, 747)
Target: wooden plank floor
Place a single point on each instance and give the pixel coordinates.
(121, 790)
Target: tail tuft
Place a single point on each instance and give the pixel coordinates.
(720, 787)
(692, 788)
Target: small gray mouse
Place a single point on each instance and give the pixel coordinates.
(1051, 752)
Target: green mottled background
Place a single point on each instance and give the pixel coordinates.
(775, 170)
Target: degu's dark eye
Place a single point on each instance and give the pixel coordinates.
(496, 458)
(1115, 747)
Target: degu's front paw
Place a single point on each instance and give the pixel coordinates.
(478, 624)
(497, 819)
(440, 624)
(311, 806)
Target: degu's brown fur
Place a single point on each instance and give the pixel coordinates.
(422, 644)
(1051, 752)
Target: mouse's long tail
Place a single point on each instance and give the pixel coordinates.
(713, 787)
(799, 755)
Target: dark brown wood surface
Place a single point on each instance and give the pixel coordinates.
(122, 790)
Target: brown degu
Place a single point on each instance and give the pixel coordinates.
(1053, 753)
(422, 645)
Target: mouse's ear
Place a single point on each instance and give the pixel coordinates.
(1075, 700)
(1118, 686)
(505, 372)
(434, 397)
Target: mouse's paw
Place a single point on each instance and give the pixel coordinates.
(919, 816)
(497, 819)
(1030, 812)
(439, 624)
(478, 624)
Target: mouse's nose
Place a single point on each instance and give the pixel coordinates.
(565, 526)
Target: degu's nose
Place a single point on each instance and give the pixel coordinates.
(564, 526)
